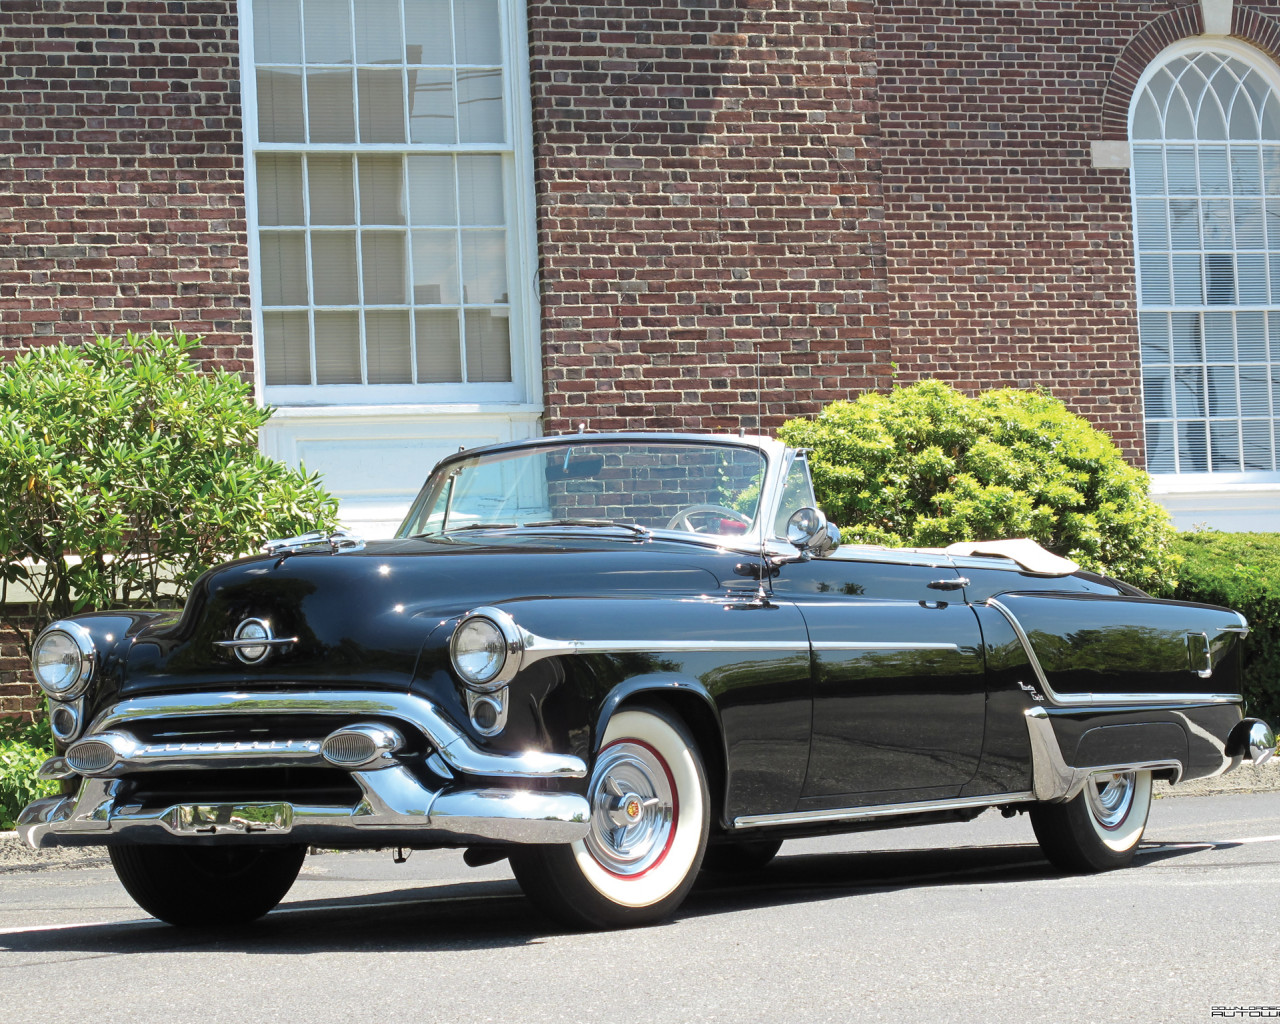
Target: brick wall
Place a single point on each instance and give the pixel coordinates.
(121, 173)
(708, 210)
(18, 692)
(1010, 257)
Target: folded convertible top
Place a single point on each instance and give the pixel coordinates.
(1027, 553)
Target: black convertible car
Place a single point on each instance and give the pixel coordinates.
(615, 660)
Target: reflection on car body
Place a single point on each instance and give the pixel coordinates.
(615, 660)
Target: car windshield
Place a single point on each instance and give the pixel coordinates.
(696, 487)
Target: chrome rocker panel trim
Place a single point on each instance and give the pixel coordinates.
(880, 810)
(1085, 700)
(392, 802)
(454, 747)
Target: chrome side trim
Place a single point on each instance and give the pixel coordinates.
(880, 810)
(530, 647)
(886, 645)
(536, 647)
(454, 747)
(1053, 779)
(1085, 700)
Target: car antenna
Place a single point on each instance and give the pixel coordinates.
(767, 569)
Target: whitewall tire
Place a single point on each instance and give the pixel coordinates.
(650, 812)
(1098, 829)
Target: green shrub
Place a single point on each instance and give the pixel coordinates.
(924, 466)
(1241, 571)
(24, 746)
(125, 472)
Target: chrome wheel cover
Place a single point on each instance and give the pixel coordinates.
(1111, 797)
(633, 809)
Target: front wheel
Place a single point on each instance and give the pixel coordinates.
(1099, 828)
(649, 823)
(207, 886)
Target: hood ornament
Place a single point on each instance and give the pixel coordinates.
(253, 641)
(338, 542)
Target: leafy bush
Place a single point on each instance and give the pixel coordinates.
(924, 466)
(125, 472)
(24, 746)
(1241, 571)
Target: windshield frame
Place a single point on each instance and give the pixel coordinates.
(778, 460)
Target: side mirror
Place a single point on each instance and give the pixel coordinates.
(809, 531)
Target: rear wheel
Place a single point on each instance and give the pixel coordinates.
(649, 822)
(1098, 829)
(193, 886)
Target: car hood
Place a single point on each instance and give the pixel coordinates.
(362, 618)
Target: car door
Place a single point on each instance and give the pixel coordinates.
(899, 680)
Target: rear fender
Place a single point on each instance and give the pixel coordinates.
(1090, 649)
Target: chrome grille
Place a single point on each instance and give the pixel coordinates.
(90, 756)
(349, 748)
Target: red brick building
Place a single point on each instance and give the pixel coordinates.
(424, 223)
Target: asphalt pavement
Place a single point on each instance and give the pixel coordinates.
(961, 922)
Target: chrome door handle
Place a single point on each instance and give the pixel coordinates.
(955, 583)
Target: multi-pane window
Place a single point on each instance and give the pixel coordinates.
(384, 168)
(1206, 193)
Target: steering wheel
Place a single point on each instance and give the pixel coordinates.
(682, 520)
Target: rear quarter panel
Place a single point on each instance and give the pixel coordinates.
(1093, 647)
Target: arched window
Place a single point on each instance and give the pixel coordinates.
(1205, 132)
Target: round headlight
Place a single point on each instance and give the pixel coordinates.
(62, 660)
(482, 649)
(479, 651)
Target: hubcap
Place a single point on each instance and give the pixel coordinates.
(1110, 797)
(632, 809)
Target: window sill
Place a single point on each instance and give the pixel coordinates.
(406, 411)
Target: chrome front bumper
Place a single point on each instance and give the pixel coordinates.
(394, 807)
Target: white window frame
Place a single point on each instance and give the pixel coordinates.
(1203, 482)
(523, 394)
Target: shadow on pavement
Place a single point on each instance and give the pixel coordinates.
(494, 914)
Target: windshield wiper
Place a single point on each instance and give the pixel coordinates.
(481, 526)
(635, 528)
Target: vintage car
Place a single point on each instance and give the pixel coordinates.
(615, 660)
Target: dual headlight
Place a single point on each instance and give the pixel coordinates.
(63, 659)
(486, 649)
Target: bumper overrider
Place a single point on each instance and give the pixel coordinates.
(480, 796)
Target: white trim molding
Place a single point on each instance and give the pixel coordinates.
(522, 301)
(1234, 507)
(374, 460)
(1217, 17)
